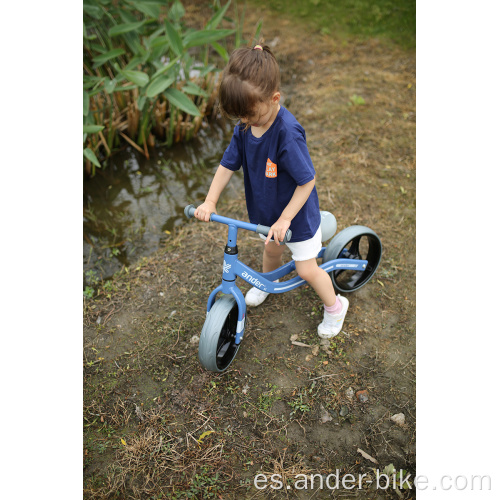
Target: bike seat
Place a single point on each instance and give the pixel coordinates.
(328, 225)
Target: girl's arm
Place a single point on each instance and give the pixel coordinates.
(219, 182)
(300, 196)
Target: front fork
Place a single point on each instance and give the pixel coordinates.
(228, 286)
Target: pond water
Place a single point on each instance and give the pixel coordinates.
(132, 204)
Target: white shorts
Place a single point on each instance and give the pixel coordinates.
(304, 250)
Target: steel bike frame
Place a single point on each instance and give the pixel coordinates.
(233, 267)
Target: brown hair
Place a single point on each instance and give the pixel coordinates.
(251, 76)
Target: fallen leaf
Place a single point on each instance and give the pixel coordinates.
(300, 344)
(204, 435)
(123, 442)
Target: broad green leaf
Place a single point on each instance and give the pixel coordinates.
(89, 154)
(221, 51)
(93, 11)
(203, 37)
(217, 17)
(181, 101)
(92, 129)
(158, 85)
(120, 29)
(151, 9)
(126, 16)
(193, 89)
(159, 41)
(133, 41)
(102, 58)
(174, 38)
(109, 85)
(138, 77)
(140, 102)
(133, 63)
(86, 102)
(176, 12)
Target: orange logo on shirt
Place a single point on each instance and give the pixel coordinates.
(271, 169)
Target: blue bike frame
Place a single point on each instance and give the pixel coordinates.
(233, 267)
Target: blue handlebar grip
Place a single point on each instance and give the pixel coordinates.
(264, 230)
(189, 211)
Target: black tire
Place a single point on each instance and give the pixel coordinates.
(217, 348)
(354, 242)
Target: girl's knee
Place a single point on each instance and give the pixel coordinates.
(308, 270)
(273, 250)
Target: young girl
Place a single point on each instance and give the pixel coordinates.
(278, 173)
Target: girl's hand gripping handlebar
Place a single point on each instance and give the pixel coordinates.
(258, 228)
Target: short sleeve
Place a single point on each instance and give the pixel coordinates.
(232, 157)
(295, 159)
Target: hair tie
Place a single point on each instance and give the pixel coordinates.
(257, 47)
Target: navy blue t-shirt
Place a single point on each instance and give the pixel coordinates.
(273, 166)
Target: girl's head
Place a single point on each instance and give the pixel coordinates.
(250, 79)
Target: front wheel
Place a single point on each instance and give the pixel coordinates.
(217, 347)
(354, 242)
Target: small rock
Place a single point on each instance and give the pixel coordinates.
(362, 396)
(315, 350)
(398, 419)
(349, 393)
(194, 340)
(309, 357)
(325, 416)
(325, 342)
(344, 411)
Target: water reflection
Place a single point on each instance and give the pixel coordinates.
(130, 206)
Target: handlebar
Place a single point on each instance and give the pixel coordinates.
(258, 228)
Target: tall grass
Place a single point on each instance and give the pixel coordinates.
(147, 78)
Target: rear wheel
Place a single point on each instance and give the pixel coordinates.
(217, 347)
(354, 242)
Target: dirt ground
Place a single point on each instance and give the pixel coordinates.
(157, 425)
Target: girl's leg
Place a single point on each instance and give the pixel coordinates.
(335, 306)
(318, 278)
(271, 260)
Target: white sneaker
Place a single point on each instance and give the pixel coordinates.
(332, 323)
(255, 296)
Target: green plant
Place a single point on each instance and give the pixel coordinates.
(268, 398)
(356, 100)
(145, 74)
(91, 277)
(298, 404)
(88, 293)
(203, 486)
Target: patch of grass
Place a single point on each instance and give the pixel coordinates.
(268, 398)
(391, 19)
